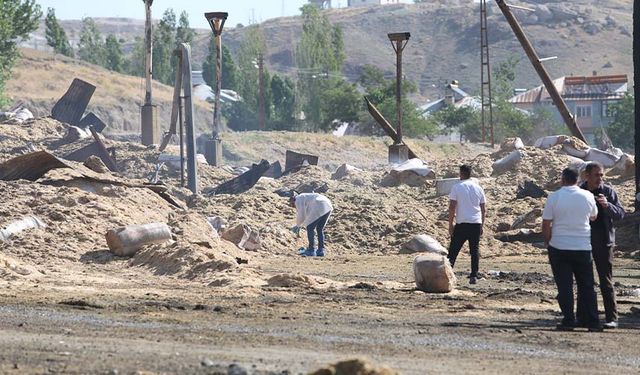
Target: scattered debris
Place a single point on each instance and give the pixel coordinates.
(433, 273)
(274, 171)
(413, 172)
(423, 243)
(510, 144)
(354, 367)
(28, 222)
(508, 162)
(125, 241)
(98, 149)
(343, 171)
(527, 218)
(30, 166)
(530, 189)
(241, 183)
(95, 164)
(521, 235)
(295, 160)
(71, 107)
(244, 237)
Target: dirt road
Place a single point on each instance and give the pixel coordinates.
(128, 321)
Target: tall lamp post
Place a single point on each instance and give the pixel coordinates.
(399, 152)
(149, 126)
(213, 147)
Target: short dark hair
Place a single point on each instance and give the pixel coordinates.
(465, 170)
(593, 164)
(570, 176)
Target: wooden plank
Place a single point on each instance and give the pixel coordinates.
(386, 126)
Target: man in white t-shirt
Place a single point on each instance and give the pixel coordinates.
(567, 235)
(467, 207)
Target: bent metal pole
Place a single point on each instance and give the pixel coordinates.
(542, 72)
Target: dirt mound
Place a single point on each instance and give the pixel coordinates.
(354, 367)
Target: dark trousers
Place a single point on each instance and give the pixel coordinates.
(317, 226)
(462, 233)
(567, 264)
(603, 258)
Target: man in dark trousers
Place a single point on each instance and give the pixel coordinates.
(603, 238)
(467, 207)
(567, 235)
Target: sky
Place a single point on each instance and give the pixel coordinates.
(240, 11)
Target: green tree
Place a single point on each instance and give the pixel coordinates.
(184, 33)
(55, 34)
(465, 120)
(91, 47)
(17, 19)
(114, 58)
(135, 65)
(284, 103)
(164, 43)
(315, 60)
(622, 130)
(229, 70)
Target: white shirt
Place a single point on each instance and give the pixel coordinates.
(310, 207)
(468, 196)
(569, 210)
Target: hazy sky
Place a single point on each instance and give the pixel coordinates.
(240, 11)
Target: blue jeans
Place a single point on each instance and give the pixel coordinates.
(318, 226)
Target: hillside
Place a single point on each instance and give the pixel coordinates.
(41, 78)
(586, 35)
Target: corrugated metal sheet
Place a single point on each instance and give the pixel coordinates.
(70, 108)
(30, 166)
(585, 88)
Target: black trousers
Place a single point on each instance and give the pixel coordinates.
(603, 258)
(462, 233)
(567, 264)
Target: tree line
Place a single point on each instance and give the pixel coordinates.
(313, 96)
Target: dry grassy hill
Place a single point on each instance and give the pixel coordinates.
(41, 78)
(586, 35)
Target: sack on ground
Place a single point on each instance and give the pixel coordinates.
(433, 273)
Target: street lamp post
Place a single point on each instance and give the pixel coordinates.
(149, 126)
(398, 152)
(213, 147)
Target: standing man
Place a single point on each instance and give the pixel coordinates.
(467, 207)
(312, 211)
(603, 238)
(567, 236)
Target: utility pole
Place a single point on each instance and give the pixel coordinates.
(485, 75)
(568, 118)
(261, 99)
(149, 126)
(398, 152)
(213, 147)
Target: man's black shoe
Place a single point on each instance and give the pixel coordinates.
(564, 327)
(598, 328)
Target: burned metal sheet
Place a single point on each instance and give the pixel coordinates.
(295, 159)
(91, 119)
(98, 149)
(274, 171)
(30, 166)
(70, 108)
(243, 182)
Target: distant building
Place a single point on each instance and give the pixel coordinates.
(590, 99)
(324, 4)
(455, 96)
(203, 91)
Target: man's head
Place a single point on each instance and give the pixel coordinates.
(292, 198)
(465, 172)
(569, 177)
(594, 173)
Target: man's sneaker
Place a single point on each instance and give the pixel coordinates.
(610, 325)
(473, 280)
(564, 327)
(309, 253)
(320, 252)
